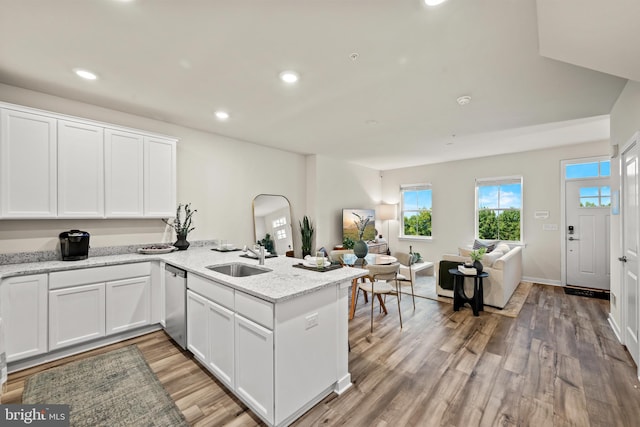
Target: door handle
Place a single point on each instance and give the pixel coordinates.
(572, 238)
(622, 258)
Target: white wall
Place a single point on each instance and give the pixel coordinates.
(220, 176)
(625, 121)
(454, 199)
(333, 186)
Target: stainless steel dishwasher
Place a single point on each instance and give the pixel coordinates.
(175, 304)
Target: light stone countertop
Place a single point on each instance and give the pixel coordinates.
(282, 283)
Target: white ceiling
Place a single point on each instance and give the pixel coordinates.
(395, 106)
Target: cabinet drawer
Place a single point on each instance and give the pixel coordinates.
(63, 279)
(255, 309)
(213, 291)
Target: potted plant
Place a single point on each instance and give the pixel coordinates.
(360, 247)
(348, 243)
(182, 227)
(476, 257)
(267, 242)
(306, 232)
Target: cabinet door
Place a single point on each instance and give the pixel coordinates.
(128, 304)
(254, 366)
(197, 341)
(123, 185)
(159, 177)
(28, 181)
(76, 315)
(23, 308)
(220, 331)
(80, 170)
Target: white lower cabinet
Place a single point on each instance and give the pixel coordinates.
(91, 303)
(210, 336)
(76, 315)
(128, 304)
(197, 337)
(23, 308)
(254, 366)
(231, 333)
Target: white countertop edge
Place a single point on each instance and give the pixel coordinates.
(282, 283)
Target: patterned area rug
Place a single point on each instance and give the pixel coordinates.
(425, 287)
(112, 389)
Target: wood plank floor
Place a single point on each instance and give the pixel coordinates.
(557, 364)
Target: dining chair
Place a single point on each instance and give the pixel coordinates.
(407, 260)
(338, 255)
(380, 282)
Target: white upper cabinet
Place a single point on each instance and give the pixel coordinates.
(80, 170)
(123, 174)
(28, 167)
(56, 166)
(159, 177)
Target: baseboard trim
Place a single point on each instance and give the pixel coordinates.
(19, 365)
(542, 281)
(615, 328)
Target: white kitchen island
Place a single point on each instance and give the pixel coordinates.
(277, 340)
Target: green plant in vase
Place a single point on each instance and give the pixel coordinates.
(182, 227)
(360, 247)
(348, 243)
(306, 233)
(476, 257)
(267, 242)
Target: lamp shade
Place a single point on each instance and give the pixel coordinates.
(386, 212)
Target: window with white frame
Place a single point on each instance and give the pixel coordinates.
(499, 209)
(415, 211)
(279, 229)
(591, 196)
(280, 222)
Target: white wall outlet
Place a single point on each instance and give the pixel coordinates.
(311, 320)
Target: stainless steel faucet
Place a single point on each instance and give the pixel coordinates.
(260, 254)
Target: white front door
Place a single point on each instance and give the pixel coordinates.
(588, 214)
(629, 202)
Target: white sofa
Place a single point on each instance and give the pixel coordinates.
(504, 265)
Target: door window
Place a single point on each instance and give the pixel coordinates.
(595, 197)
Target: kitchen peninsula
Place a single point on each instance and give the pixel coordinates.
(277, 340)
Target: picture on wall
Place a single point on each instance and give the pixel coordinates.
(354, 218)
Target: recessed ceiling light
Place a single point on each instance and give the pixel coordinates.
(85, 74)
(433, 2)
(464, 100)
(289, 76)
(222, 115)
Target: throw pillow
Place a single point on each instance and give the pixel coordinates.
(504, 248)
(465, 252)
(477, 244)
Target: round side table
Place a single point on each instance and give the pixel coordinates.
(476, 301)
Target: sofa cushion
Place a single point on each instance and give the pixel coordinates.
(489, 259)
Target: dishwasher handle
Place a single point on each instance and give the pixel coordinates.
(175, 271)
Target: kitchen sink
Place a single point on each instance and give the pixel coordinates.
(237, 269)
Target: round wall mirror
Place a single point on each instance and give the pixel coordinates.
(272, 221)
